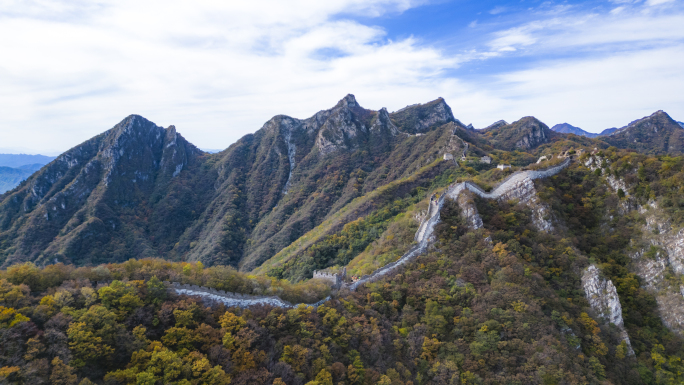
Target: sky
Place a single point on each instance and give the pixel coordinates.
(218, 70)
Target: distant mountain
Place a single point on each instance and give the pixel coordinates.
(496, 124)
(11, 177)
(608, 131)
(18, 160)
(681, 124)
(565, 128)
(654, 134)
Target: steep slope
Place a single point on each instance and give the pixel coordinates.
(94, 199)
(525, 134)
(295, 173)
(139, 190)
(654, 134)
(565, 128)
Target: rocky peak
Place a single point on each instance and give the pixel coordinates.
(383, 123)
(348, 101)
(534, 132)
(497, 124)
(525, 134)
(176, 153)
(420, 118)
(657, 133)
(344, 126)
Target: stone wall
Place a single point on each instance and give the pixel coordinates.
(335, 280)
(234, 299)
(423, 238)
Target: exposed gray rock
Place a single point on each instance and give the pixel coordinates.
(469, 210)
(603, 299)
(342, 127)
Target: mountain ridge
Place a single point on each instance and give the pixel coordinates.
(140, 190)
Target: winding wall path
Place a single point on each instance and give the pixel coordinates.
(423, 237)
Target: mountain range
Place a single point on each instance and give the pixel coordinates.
(352, 247)
(139, 190)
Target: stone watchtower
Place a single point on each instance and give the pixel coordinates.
(334, 280)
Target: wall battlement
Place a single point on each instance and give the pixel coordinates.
(335, 280)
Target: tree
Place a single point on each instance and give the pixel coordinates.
(62, 374)
(231, 322)
(10, 317)
(156, 290)
(324, 378)
(85, 345)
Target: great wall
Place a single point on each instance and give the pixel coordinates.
(518, 185)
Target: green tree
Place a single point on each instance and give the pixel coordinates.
(62, 374)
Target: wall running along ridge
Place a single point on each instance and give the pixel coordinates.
(516, 186)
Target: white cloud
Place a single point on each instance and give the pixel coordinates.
(658, 2)
(498, 10)
(218, 71)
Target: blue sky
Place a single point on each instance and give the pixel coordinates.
(218, 70)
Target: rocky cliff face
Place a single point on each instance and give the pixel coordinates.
(603, 299)
(469, 210)
(658, 254)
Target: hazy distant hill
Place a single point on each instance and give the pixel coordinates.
(566, 128)
(18, 160)
(14, 168)
(11, 177)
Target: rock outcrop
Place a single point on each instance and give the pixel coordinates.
(603, 299)
(660, 252)
(420, 118)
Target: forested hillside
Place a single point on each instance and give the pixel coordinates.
(501, 304)
(572, 277)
